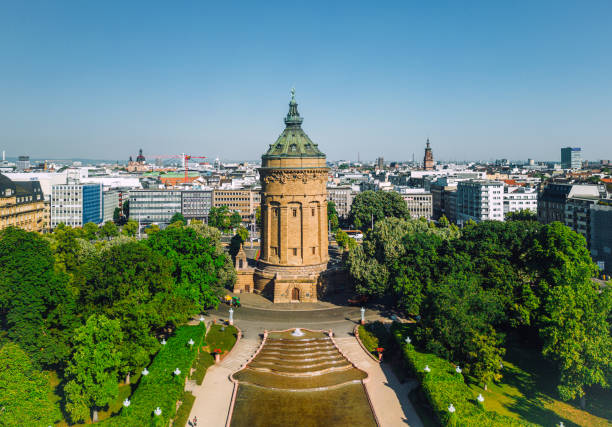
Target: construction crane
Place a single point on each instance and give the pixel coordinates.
(185, 158)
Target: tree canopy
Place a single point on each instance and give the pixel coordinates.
(372, 206)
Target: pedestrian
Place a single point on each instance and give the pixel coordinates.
(195, 421)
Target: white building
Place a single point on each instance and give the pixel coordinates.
(517, 198)
(110, 200)
(479, 200)
(342, 196)
(75, 204)
(418, 201)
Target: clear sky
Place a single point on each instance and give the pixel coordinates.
(482, 79)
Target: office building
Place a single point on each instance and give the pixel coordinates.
(154, 205)
(578, 215)
(22, 205)
(418, 202)
(196, 204)
(110, 201)
(479, 200)
(75, 204)
(570, 158)
(243, 200)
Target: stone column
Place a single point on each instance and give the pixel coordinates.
(284, 233)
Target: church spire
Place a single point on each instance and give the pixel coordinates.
(293, 118)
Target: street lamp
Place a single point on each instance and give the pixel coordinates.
(408, 340)
(362, 315)
(458, 369)
(163, 341)
(145, 372)
(157, 411)
(426, 369)
(201, 318)
(190, 342)
(451, 408)
(177, 372)
(231, 316)
(126, 402)
(480, 398)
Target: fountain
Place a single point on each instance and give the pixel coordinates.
(299, 372)
(297, 333)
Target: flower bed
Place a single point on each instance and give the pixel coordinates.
(443, 386)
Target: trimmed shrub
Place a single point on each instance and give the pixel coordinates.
(161, 387)
(443, 386)
(182, 415)
(222, 337)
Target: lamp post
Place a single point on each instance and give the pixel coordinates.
(157, 411)
(362, 315)
(458, 369)
(408, 340)
(451, 408)
(201, 318)
(145, 372)
(163, 341)
(191, 343)
(426, 369)
(231, 316)
(126, 402)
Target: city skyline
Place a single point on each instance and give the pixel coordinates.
(481, 81)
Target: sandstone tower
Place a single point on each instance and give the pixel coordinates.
(294, 243)
(428, 160)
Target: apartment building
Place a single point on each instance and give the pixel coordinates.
(601, 234)
(22, 205)
(553, 198)
(243, 200)
(517, 198)
(480, 200)
(342, 196)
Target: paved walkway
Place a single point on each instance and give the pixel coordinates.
(389, 397)
(214, 396)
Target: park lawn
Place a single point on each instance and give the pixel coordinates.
(125, 391)
(527, 391)
(221, 337)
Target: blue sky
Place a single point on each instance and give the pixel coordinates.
(482, 80)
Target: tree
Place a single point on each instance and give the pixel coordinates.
(90, 230)
(522, 215)
(36, 309)
(332, 216)
(117, 215)
(226, 273)
(24, 391)
(235, 219)
(92, 372)
(372, 206)
(108, 230)
(576, 334)
(177, 217)
(132, 283)
(130, 228)
(152, 229)
(195, 263)
(241, 236)
(218, 217)
(258, 217)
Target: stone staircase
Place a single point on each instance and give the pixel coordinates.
(241, 354)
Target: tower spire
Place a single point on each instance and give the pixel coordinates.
(293, 118)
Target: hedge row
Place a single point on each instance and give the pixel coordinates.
(443, 386)
(161, 387)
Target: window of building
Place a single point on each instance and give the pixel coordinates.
(312, 211)
(294, 251)
(294, 212)
(314, 251)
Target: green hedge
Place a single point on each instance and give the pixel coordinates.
(161, 387)
(374, 335)
(443, 386)
(182, 415)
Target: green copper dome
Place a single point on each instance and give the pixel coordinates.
(293, 142)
